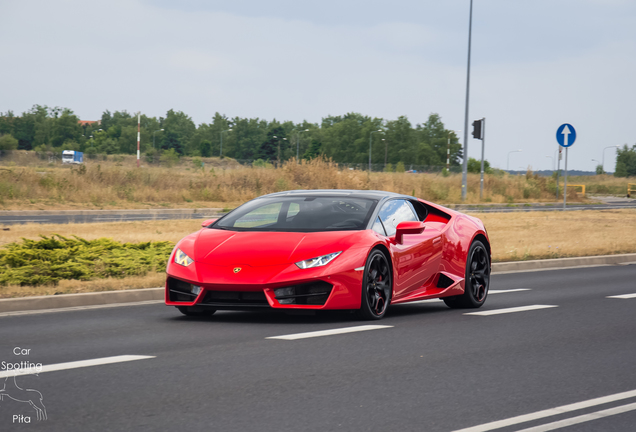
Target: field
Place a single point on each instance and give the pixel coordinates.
(514, 236)
(117, 183)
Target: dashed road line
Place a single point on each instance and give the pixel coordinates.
(77, 364)
(623, 296)
(549, 412)
(508, 291)
(329, 332)
(511, 310)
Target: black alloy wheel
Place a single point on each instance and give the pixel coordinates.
(377, 287)
(477, 279)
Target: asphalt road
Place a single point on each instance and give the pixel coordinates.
(6, 218)
(430, 369)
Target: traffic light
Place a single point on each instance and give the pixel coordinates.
(478, 129)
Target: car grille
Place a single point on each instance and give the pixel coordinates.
(180, 291)
(313, 293)
(235, 298)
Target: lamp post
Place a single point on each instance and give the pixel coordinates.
(386, 151)
(278, 140)
(603, 163)
(370, 142)
(552, 161)
(465, 162)
(221, 148)
(153, 138)
(508, 165)
(448, 149)
(298, 144)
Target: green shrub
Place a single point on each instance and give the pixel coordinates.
(51, 259)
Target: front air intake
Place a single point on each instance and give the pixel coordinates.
(313, 293)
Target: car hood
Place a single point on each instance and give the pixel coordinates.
(257, 249)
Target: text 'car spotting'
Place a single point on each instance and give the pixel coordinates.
(331, 249)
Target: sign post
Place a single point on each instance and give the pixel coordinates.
(566, 135)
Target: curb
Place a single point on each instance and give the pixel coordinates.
(147, 294)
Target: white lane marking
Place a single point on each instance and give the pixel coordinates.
(79, 364)
(76, 308)
(508, 290)
(582, 418)
(623, 296)
(329, 332)
(511, 310)
(549, 412)
(124, 217)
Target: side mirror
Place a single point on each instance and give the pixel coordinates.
(410, 227)
(208, 222)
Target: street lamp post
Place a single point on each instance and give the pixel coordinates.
(221, 148)
(508, 165)
(370, 142)
(278, 141)
(386, 151)
(298, 144)
(603, 163)
(153, 138)
(465, 162)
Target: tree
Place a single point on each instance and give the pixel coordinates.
(599, 169)
(65, 128)
(205, 147)
(171, 140)
(7, 142)
(626, 162)
(474, 166)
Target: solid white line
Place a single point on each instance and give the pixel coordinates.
(549, 412)
(23, 220)
(623, 296)
(581, 419)
(78, 364)
(329, 332)
(511, 310)
(76, 308)
(508, 291)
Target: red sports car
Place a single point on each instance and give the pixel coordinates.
(331, 249)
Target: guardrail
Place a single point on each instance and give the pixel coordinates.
(631, 187)
(582, 188)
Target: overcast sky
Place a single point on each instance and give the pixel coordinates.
(535, 64)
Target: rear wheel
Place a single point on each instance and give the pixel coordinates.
(477, 279)
(377, 286)
(195, 311)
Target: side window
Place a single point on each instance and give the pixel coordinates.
(377, 227)
(394, 212)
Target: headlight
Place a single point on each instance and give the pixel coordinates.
(317, 262)
(182, 259)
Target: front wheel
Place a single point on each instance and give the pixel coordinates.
(477, 279)
(377, 287)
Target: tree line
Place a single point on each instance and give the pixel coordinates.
(344, 139)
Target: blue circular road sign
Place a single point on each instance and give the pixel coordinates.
(566, 135)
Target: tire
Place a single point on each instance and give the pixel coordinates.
(477, 279)
(195, 311)
(377, 287)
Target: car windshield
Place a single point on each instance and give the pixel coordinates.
(299, 213)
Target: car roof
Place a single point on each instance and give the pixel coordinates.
(372, 194)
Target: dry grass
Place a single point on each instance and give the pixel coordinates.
(557, 234)
(114, 185)
(514, 236)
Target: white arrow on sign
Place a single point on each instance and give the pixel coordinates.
(566, 131)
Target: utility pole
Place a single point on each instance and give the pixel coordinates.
(138, 135)
(465, 164)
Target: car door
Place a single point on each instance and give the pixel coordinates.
(415, 259)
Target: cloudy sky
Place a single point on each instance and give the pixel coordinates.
(535, 64)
